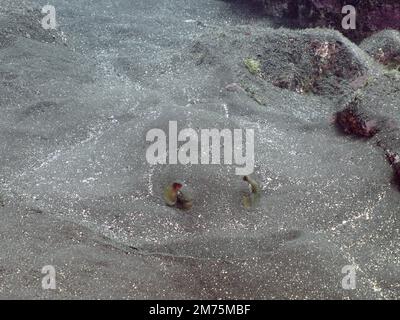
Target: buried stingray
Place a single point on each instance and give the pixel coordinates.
(177, 196)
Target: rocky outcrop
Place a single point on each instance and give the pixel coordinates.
(384, 47)
(372, 15)
(318, 64)
(373, 113)
(25, 24)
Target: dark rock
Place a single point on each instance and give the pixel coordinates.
(321, 64)
(352, 121)
(394, 160)
(372, 15)
(384, 47)
(370, 114)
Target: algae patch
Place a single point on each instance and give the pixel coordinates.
(254, 66)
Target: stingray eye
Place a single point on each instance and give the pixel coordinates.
(176, 186)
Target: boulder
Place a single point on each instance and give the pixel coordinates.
(372, 15)
(384, 47)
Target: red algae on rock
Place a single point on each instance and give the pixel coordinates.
(353, 122)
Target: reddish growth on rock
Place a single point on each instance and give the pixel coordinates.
(371, 16)
(353, 122)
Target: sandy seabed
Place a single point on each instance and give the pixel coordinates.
(77, 192)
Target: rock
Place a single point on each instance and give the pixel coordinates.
(370, 114)
(384, 47)
(26, 25)
(394, 160)
(318, 63)
(371, 17)
(352, 121)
